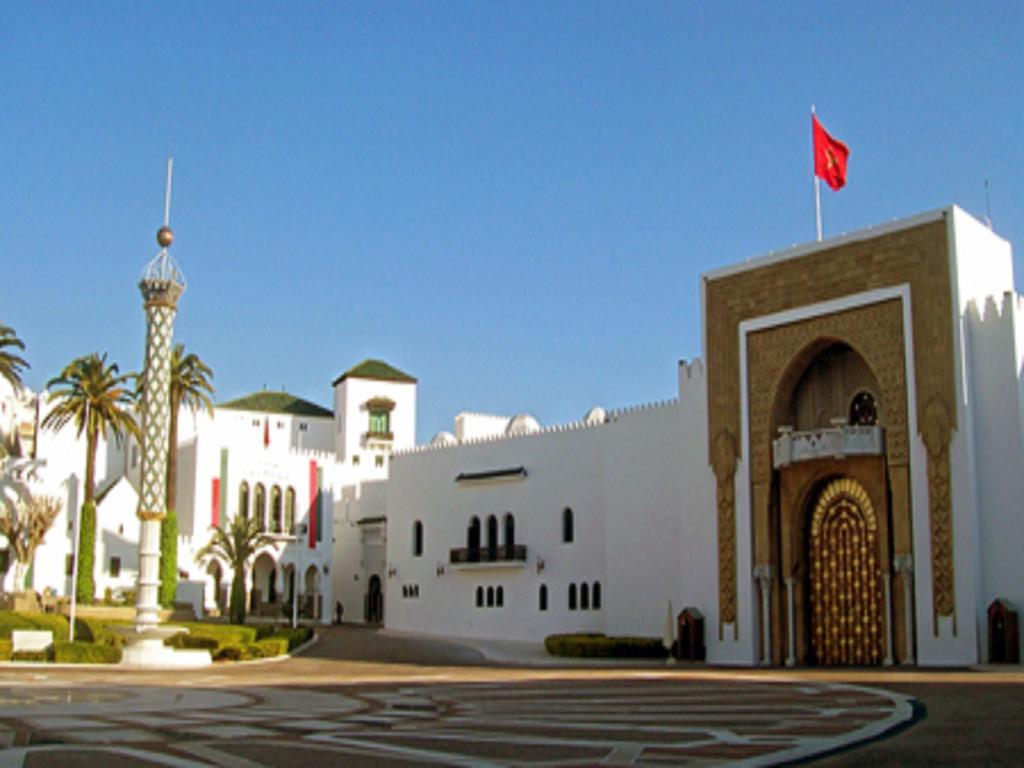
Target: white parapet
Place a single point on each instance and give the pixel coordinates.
(829, 443)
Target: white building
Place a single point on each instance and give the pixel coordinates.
(836, 481)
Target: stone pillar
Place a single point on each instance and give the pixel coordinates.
(904, 565)
(887, 583)
(160, 294)
(790, 623)
(763, 574)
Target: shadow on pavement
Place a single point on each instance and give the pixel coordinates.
(352, 642)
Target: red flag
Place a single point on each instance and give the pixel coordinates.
(829, 156)
(266, 433)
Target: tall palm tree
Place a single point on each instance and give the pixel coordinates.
(94, 396)
(11, 363)
(190, 386)
(236, 546)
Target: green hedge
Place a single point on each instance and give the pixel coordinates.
(100, 631)
(194, 642)
(221, 635)
(86, 653)
(295, 637)
(599, 646)
(270, 647)
(46, 655)
(5, 650)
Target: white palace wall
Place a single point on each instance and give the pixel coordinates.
(639, 490)
(996, 333)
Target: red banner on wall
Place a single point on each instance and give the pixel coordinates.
(314, 499)
(215, 503)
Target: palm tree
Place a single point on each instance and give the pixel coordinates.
(10, 362)
(236, 546)
(92, 394)
(191, 387)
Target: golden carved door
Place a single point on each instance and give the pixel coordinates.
(846, 592)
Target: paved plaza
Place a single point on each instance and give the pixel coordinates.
(360, 697)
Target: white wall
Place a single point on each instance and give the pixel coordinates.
(643, 504)
(996, 332)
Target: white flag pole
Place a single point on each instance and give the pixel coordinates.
(817, 184)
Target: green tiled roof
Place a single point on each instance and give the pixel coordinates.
(375, 369)
(276, 402)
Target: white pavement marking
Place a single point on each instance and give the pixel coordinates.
(376, 748)
(15, 758)
(214, 756)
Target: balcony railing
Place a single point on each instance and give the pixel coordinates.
(379, 436)
(516, 554)
(831, 443)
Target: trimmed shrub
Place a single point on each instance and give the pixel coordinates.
(226, 633)
(168, 558)
(85, 586)
(270, 647)
(46, 655)
(599, 646)
(194, 642)
(11, 620)
(229, 653)
(100, 631)
(5, 649)
(86, 653)
(295, 637)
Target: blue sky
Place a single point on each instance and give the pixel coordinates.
(513, 202)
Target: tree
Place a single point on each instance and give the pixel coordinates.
(96, 398)
(236, 546)
(25, 522)
(11, 363)
(191, 388)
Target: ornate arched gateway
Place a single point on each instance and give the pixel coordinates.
(846, 602)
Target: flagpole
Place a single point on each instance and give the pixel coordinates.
(817, 187)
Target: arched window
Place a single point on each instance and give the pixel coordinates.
(275, 510)
(595, 596)
(417, 539)
(490, 597)
(572, 597)
(473, 536)
(492, 537)
(510, 534)
(567, 526)
(584, 596)
(243, 500)
(259, 506)
(289, 511)
(499, 596)
(479, 597)
(543, 597)
(863, 410)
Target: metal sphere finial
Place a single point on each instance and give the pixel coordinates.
(164, 236)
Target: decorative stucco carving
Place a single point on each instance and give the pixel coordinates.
(936, 430)
(723, 462)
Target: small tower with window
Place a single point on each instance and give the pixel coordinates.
(374, 414)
